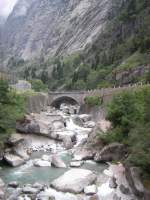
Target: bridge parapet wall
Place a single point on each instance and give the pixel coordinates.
(105, 93)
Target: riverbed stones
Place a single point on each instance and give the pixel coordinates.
(74, 180)
(90, 190)
(13, 160)
(58, 162)
(114, 151)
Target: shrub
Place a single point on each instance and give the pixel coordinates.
(38, 85)
(93, 101)
(11, 109)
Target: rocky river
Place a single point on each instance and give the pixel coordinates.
(54, 155)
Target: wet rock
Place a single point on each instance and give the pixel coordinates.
(57, 125)
(13, 160)
(61, 135)
(41, 163)
(114, 151)
(30, 190)
(14, 194)
(47, 158)
(83, 154)
(124, 189)
(74, 180)
(68, 144)
(90, 190)
(115, 197)
(15, 139)
(85, 117)
(58, 162)
(2, 184)
(89, 124)
(112, 183)
(76, 163)
(28, 126)
(45, 196)
(13, 184)
(134, 180)
(2, 194)
(20, 151)
(38, 186)
(77, 120)
(94, 197)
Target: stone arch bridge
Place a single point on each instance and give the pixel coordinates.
(77, 97)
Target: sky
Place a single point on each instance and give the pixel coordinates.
(6, 7)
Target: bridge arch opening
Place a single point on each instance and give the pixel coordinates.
(64, 99)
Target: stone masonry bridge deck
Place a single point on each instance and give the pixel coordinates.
(77, 97)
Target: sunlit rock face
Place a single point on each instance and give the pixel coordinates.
(52, 27)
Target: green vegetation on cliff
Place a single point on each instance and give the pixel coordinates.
(129, 113)
(11, 109)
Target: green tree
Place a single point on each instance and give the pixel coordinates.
(11, 109)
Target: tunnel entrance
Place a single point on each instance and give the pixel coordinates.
(67, 100)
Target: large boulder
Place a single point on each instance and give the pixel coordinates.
(114, 151)
(58, 162)
(83, 154)
(41, 163)
(134, 180)
(61, 135)
(74, 181)
(28, 126)
(21, 151)
(15, 139)
(13, 160)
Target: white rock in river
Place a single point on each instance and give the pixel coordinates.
(76, 163)
(42, 163)
(47, 158)
(90, 190)
(13, 160)
(58, 162)
(74, 180)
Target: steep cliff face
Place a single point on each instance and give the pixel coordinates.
(52, 27)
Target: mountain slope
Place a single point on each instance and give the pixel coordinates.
(53, 27)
